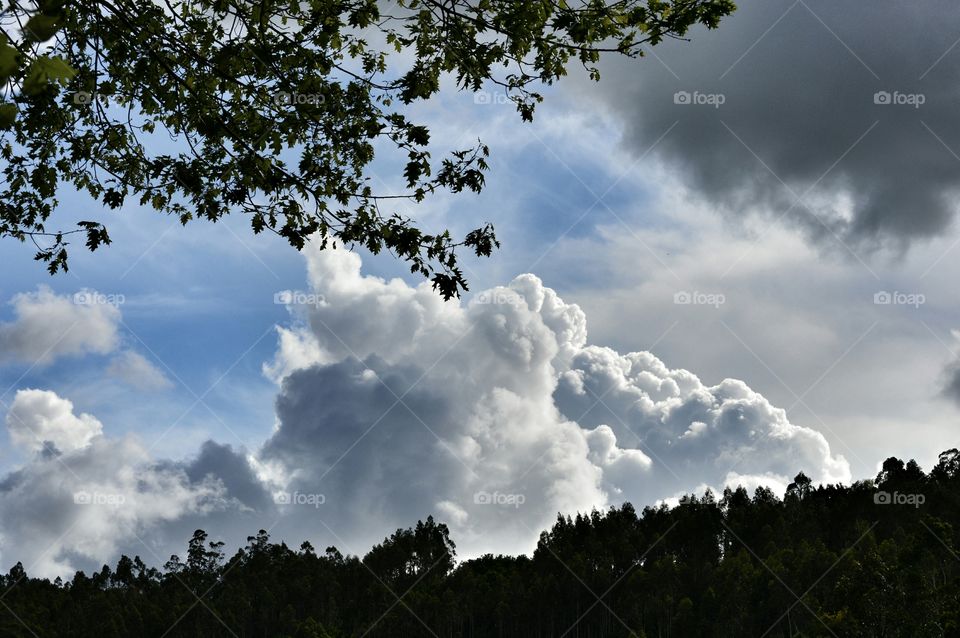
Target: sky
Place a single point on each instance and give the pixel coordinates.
(728, 262)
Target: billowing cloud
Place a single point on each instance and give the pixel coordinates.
(40, 419)
(496, 414)
(817, 112)
(691, 430)
(133, 368)
(47, 326)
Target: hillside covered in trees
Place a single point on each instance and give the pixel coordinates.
(875, 559)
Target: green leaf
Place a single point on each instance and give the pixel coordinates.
(41, 28)
(45, 70)
(8, 115)
(9, 58)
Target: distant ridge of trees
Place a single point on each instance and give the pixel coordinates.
(879, 558)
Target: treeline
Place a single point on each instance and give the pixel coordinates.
(879, 558)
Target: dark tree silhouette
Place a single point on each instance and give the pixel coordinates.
(868, 560)
(276, 108)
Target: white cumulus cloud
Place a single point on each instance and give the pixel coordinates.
(47, 326)
(497, 414)
(40, 418)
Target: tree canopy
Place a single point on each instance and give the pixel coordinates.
(275, 109)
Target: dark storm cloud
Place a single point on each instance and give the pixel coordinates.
(330, 432)
(951, 377)
(231, 467)
(791, 107)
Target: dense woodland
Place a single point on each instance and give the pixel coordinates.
(880, 558)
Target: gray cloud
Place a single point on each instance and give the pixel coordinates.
(798, 116)
(87, 497)
(952, 387)
(951, 374)
(232, 468)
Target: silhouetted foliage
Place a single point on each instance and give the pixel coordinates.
(875, 559)
(202, 108)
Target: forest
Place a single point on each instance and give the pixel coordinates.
(878, 558)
